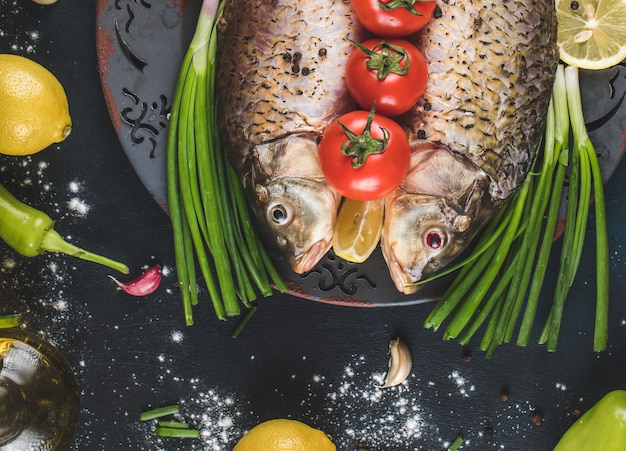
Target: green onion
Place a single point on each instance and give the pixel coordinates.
(504, 275)
(159, 412)
(169, 428)
(174, 424)
(456, 443)
(210, 220)
(7, 321)
(244, 321)
(176, 432)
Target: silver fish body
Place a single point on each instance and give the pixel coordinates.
(279, 84)
(475, 132)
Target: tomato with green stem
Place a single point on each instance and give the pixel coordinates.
(393, 18)
(364, 155)
(389, 73)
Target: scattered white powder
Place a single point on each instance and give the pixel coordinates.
(74, 186)
(217, 415)
(78, 206)
(465, 388)
(166, 271)
(384, 418)
(12, 32)
(60, 305)
(177, 336)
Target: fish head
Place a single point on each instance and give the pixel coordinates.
(432, 217)
(300, 216)
(292, 198)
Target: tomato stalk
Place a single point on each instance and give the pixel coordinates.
(408, 5)
(372, 162)
(360, 146)
(385, 59)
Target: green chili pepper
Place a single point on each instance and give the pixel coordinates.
(9, 321)
(603, 427)
(30, 232)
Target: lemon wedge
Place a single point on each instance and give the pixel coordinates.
(591, 33)
(358, 228)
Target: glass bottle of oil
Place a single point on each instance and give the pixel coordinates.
(39, 397)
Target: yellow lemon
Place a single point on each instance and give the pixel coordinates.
(284, 435)
(33, 107)
(591, 33)
(358, 228)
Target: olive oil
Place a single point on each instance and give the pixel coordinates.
(39, 398)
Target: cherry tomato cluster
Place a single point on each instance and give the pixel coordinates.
(365, 154)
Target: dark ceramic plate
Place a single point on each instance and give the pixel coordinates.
(140, 45)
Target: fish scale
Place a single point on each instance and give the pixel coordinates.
(474, 133)
(478, 127)
(273, 108)
(274, 100)
(491, 68)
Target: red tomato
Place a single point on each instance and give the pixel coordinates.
(393, 18)
(346, 163)
(393, 73)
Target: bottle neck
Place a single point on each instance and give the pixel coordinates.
(13, 410)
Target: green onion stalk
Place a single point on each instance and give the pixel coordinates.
(503, 277)
(211, 223)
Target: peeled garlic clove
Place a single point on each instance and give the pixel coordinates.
(400, 363)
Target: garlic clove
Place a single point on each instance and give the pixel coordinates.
(400, 363)
(143, 285)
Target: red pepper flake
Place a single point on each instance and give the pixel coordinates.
(143, 285)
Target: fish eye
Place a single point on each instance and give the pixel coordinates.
(278, 214)
(435, 239)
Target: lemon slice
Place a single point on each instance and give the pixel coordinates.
(358, 228)
(591, 33)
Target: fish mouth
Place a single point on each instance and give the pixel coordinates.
(401, 278)
(306, 260)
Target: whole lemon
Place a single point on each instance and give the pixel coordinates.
(33, 107)
(284, 435)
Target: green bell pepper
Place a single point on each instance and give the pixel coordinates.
(601, 428)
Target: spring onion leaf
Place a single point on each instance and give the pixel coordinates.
(174, 424)
(159, 412)
(244, 321)
(169, 428)
(502, 279)
(176, 432)
(210, 220)
(456, 443)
